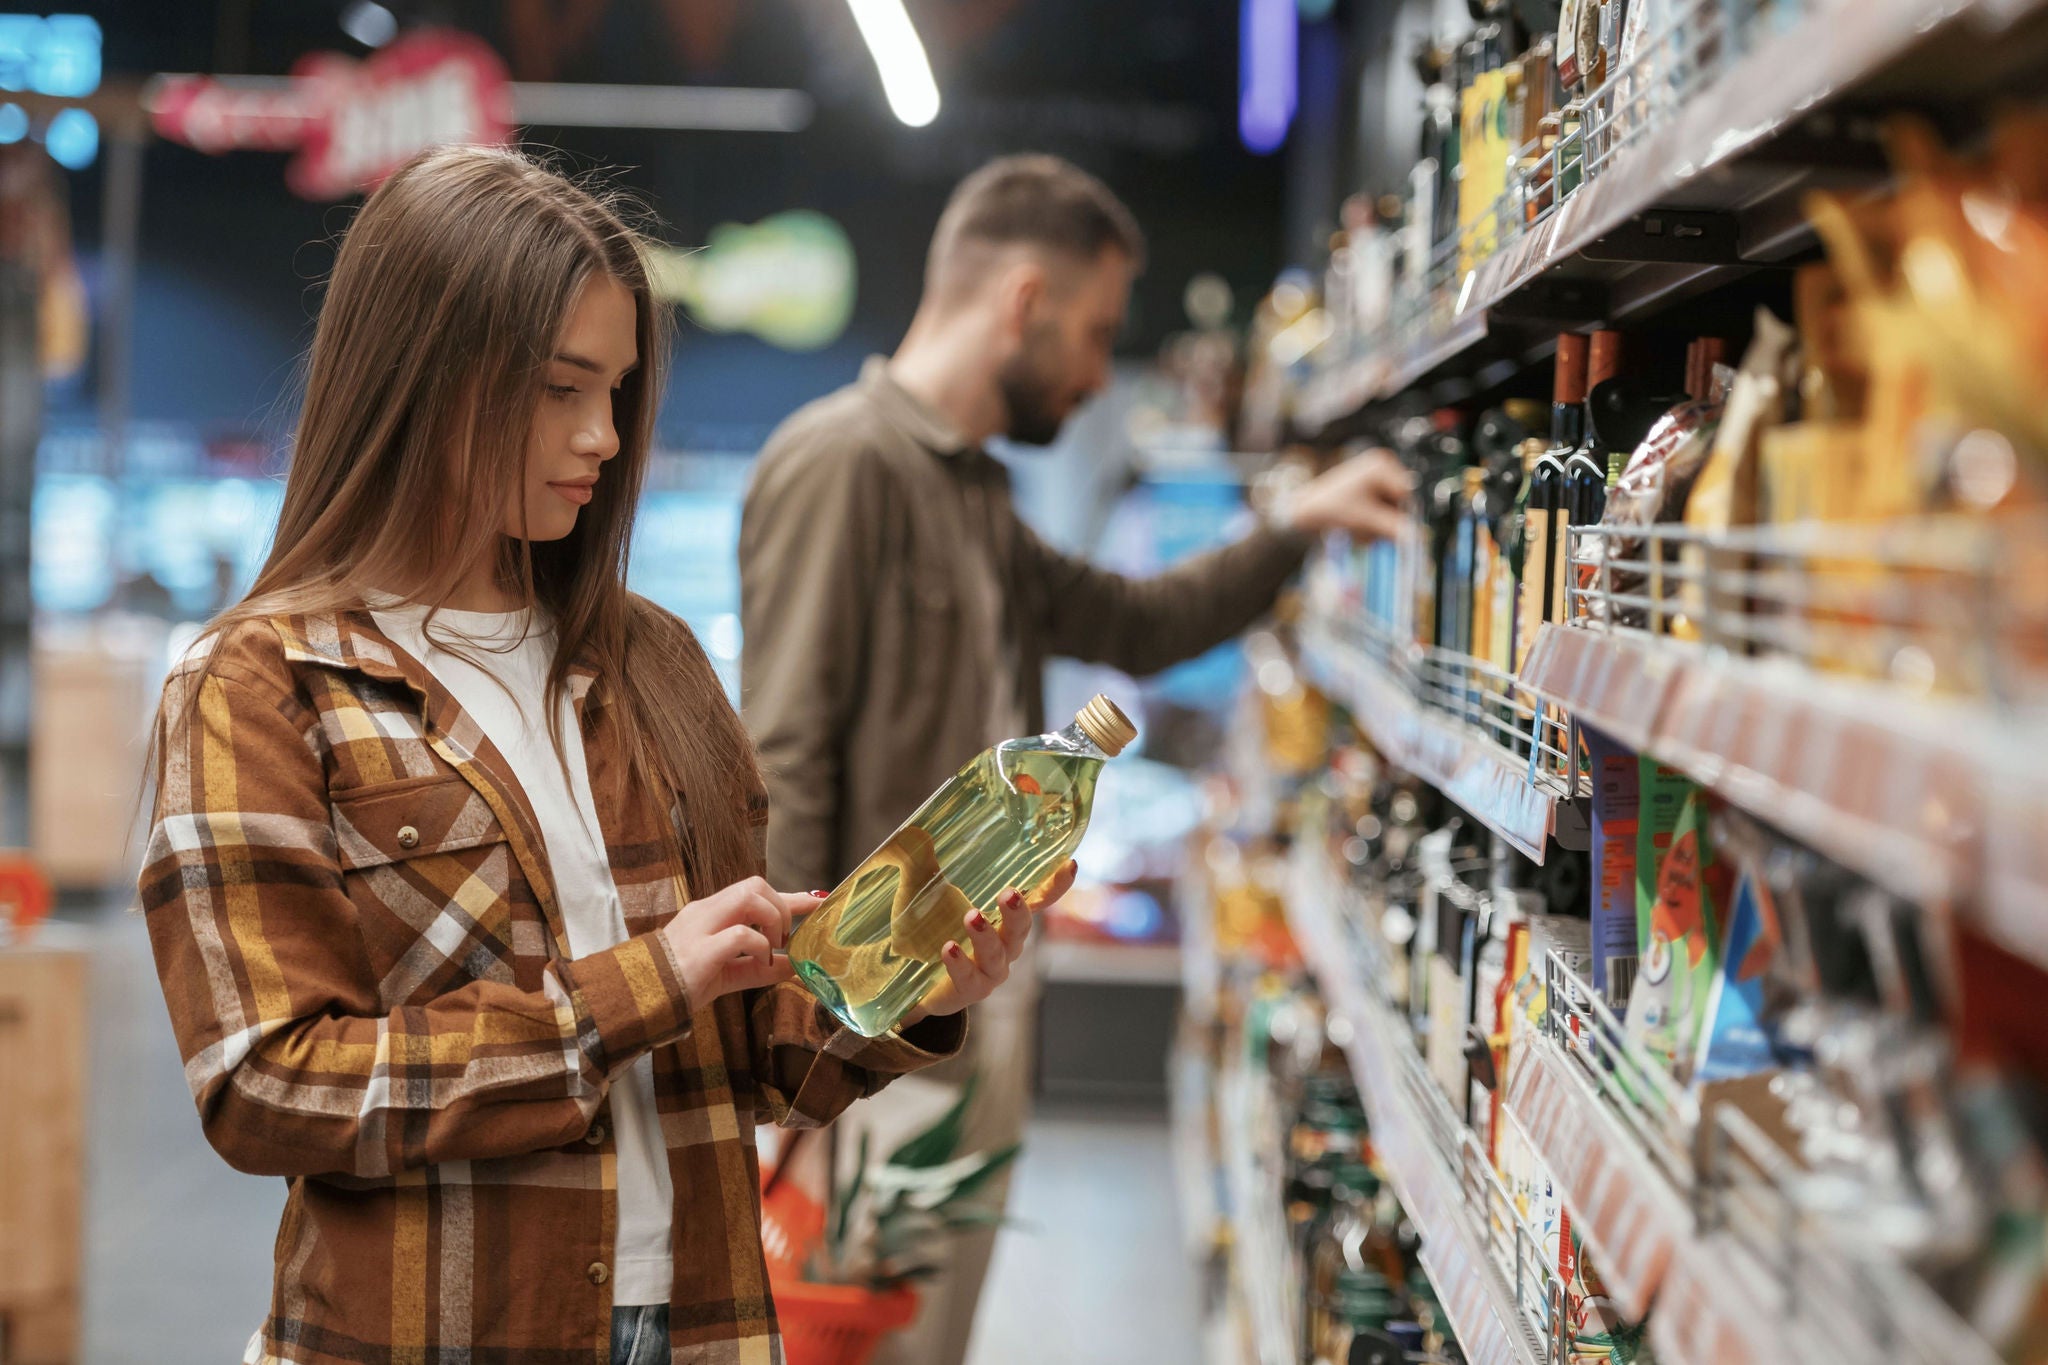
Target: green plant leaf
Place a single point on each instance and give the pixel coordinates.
(961, 1220)
(995, 1161)
(842, 1216)
(936, 1145)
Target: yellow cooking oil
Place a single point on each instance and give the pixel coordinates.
(1010, 819)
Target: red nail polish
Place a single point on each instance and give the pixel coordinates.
(978, 920)
(821, 894)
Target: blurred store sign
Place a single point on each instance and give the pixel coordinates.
(56, 56)
(351, 123)
(788, 279)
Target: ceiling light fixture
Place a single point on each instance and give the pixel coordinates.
(369, 23)
(899, 58)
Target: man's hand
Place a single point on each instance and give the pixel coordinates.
(1366, 496)
(972, 974)
(726, 942)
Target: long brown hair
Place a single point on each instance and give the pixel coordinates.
(428, 364)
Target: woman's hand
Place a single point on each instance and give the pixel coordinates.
(726, 942)
(973, 973)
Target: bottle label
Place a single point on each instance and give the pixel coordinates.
(1536, 537)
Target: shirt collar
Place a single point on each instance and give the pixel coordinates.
(908, 413)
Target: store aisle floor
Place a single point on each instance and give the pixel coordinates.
(178, 1246)
(1094, 1274)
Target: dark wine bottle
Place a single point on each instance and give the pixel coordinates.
(1584, 477)
(1546, 493)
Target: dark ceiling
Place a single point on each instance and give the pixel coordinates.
(1143, 92)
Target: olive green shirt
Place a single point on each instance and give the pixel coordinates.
(876, 661)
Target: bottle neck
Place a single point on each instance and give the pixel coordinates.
(1567, 425)
(1074, 739)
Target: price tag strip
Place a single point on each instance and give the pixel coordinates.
(1470, 1286)
(1623, 1206)
(1899, 789)
(1259, 1242)
(1476, 774)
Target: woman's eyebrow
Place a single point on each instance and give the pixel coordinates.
(585, 363)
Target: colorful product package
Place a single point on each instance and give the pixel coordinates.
(1737, 1038)
(1501, 1042)
(1599, 1335)
(1680, 934)
(1616, 810)
(1661, 794)
(1726, 494)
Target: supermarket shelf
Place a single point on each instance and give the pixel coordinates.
(1112, 964)
(1931, 799)
(1482, 1307)
(1337, 392)
(1486, 780)
(1739, 1276)
(1710, 153)
(1197, 1170)
(1622, 1203)
(1258, 1239)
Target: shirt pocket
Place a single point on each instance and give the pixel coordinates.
(439, 896)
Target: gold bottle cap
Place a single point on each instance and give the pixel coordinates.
(1108, 726)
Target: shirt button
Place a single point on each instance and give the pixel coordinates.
(595, 1137)
(408, 837)
(599, 1272)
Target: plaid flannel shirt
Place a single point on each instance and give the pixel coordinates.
(349, 903)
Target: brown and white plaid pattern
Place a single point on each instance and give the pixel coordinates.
(349, 901)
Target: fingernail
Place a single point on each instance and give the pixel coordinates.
(1010, 900)
(977, 920)
(951, 950)
(821, 894)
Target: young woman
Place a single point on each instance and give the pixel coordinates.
(452, 885)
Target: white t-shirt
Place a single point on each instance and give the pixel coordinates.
(508, 701)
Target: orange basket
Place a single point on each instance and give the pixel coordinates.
(24, 897)
(838, 1324)
(822, 1324)
(792, 1226)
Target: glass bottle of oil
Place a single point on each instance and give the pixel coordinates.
(1010, 819)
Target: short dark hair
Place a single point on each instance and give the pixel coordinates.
(1035, 200)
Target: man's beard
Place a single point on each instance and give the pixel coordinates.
(1030, 392)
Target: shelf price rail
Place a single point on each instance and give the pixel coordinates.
(1695, 1217)
(1453, 721)
(1701, 1211)
(1458, 1205)
(1259, 1254)
(1879, 691)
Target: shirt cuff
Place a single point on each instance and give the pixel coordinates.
(629, 999)
(901, 1051)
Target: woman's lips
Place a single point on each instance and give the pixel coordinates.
(577, 493)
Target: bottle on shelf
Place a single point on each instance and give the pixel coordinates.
(1010, 818)
(1538, 121)
(1583, 494)
(1499, 443)
(1444, 458)
(1546, 493)
(1437, 198)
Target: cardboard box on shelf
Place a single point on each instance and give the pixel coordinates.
(95, 691)
(42, 1146)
